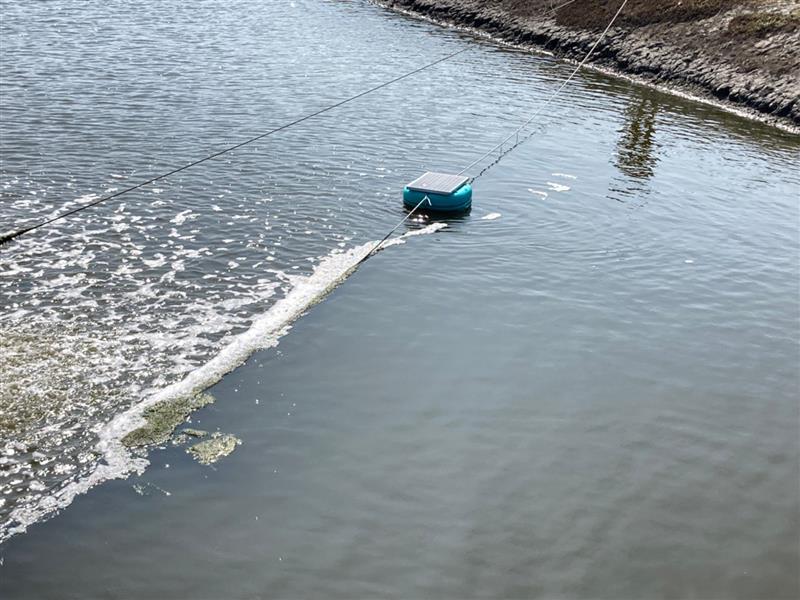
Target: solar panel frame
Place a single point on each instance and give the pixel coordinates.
(437, 183)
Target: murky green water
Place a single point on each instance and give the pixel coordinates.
(585, 388)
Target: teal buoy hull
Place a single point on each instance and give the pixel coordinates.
(458, 201)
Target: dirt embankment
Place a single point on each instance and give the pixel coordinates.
(745, 52)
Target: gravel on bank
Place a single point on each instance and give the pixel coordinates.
(744, 53)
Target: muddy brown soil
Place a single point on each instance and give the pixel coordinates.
(742, 52)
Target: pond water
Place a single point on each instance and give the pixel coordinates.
(586, 387)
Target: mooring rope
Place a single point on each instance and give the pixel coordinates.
(377, 246)
(7, 237)
(538, 111)
(516, 132)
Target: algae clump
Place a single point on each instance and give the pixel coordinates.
(198, 433)
(211, 450)
(185, 435)
(162, 419)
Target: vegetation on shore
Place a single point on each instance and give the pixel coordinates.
(757, 18)
(590, 14)
(760, 24)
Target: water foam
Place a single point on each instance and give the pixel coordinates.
(558, 187)
(264, 332)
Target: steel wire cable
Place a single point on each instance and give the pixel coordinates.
(541, 108)
(7, 237)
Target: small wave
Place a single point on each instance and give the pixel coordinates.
(491, 216)
(264, 332)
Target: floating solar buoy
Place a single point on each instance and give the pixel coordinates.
(445, 192)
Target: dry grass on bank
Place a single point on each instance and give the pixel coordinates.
(760, 25)
(759, 21)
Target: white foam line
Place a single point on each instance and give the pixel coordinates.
(263, 333)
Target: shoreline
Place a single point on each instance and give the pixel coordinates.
(639, 54)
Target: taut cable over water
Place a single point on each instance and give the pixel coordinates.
(377, 246)
(538, 111)
(13, 234)
(7, 237)
(448, 192)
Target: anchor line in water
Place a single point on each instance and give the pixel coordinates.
(377, 246)
(519, 141)
(538, 111)
(517, 131)
(7, 237)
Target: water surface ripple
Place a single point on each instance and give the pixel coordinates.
(613, 329)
